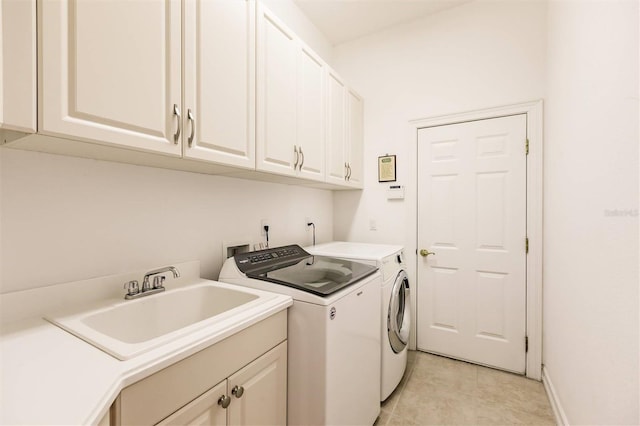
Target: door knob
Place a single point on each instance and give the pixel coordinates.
(425, 253)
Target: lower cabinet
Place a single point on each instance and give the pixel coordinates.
(241, 380)
(255, 395)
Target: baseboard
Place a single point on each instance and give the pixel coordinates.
(558, 412)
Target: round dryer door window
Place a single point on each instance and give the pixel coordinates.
(399, 316)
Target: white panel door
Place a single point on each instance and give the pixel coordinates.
(276, 95)
(259, 391)
(472, 216)
(111, 72)
(336, 129)
(219, 52)
(311, 115)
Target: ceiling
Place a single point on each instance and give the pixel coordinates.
(345, 20)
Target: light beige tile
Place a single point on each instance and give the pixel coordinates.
(513, 392)
(498, 414)
(390, 403)
(382, 419)
(429, 403)
(446, 373)
(438, 390)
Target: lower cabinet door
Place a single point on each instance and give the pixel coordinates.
(203, 410)
(259, 391)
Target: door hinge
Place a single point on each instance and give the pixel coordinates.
(526, 344)
(526, 146)
(526, 245)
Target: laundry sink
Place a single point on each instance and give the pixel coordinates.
(129, 328)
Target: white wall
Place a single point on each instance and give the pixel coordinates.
(475, 56)
(591, 170)
(66, 219)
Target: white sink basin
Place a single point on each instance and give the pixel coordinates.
(128, 328)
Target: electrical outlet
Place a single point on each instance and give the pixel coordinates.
(373, 226)
(263, 223)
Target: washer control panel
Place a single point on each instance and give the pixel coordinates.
(269, 257)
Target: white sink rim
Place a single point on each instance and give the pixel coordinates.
(76, 324)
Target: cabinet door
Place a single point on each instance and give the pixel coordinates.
(202, 411)
(276, 95)
(263, 400)
(311, 115)
(356, 140)
(336, 132)
(18, 65)
(111, 72)
(219, 83)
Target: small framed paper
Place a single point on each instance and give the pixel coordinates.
(387, 168)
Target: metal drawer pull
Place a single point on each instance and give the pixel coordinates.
(301, 162)
(176, 112)
(224, 401)
(237, 391)
(192, 120)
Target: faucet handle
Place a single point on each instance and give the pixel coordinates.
(158, 281)
(132, 287)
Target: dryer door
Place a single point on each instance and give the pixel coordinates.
(399, 316)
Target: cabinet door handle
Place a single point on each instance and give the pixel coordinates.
(192, 120)
(224, 401)
(237, 391)
(295, 150)
(302, 155)
(346, 171)
(349, 168)
(176, 112)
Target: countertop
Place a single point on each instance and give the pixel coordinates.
(49, 376)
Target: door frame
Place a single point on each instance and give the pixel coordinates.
(533, 111)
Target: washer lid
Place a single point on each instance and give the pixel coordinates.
(317, 274)
(291, 266)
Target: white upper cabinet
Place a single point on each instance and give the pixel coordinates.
(311, 115)
(18, 65)
(219, 81)
(345, 140)
(277, 96)
(111, 72)
(337, 170)
(213, 86)
(355, 139)
(290, 102)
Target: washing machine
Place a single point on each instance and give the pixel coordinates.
(395, 319)
(333, 378)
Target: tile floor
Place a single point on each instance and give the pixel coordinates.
(441, 391)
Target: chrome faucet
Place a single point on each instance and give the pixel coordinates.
(134, 292)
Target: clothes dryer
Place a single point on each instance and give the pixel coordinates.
(395, 319)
